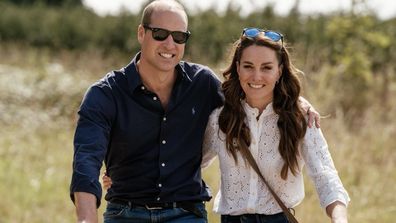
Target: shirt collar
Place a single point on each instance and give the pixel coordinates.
(254, 112)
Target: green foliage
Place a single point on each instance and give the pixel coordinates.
(210, 35)
(318, 39)
(56, 3)
(118, 33)
(63, 28)
(354, 50)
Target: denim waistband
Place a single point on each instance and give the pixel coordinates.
(186, 205)
(279, 217)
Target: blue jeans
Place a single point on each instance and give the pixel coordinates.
(255, 218)
(117, 213)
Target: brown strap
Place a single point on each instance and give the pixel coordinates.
(286, 211)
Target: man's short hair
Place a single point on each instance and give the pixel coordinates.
(171, 5)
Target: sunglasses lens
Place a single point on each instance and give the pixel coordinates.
(160, 34)
(274, 36)
(179, 37)
(251, 32)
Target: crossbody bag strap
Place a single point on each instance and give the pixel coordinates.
(286, 211)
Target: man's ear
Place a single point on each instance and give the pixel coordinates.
(140, 33)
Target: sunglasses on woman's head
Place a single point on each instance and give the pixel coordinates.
(160, 34)
(254, 32)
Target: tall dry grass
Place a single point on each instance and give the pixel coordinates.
(39, 95)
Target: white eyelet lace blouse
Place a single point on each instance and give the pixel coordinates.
(242, 191)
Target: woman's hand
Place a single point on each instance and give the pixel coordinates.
(337, 211)
(106, 181)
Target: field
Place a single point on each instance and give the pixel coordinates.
(40, 92)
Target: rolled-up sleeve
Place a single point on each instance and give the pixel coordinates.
(91, 140)
(321, 169)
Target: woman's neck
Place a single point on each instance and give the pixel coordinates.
(259, 104)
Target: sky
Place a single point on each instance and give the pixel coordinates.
(384, 8)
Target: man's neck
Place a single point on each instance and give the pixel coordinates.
(156, 80)
(161, 83)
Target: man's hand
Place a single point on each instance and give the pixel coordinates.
(86, 207)
(313, 115)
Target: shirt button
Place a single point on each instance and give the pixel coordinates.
(162, 164)
(164, 119)
(159, 185)
(163, 142)
(142, 87)
(154, 98)
(158, 198)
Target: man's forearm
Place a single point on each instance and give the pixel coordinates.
(86, 207)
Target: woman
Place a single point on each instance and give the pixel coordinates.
(262, 115)
(261, 108)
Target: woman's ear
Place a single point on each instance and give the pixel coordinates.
(280, 70)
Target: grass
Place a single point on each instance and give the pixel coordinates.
(39, 95)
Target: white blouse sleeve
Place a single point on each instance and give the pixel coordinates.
(210, 140)
(320, 168)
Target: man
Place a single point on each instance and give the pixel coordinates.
(146, 122)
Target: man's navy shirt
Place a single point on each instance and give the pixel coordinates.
(151, 154)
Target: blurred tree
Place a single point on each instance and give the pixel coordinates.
(118, 32)
(56, 3)
(264, 18)
(212, 33)
(357, 48)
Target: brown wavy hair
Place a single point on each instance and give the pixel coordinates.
(291, 123)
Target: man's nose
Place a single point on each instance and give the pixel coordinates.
(169, 41)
